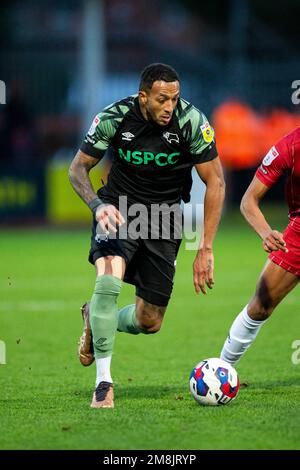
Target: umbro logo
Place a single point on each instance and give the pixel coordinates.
(171, 137)
(100, 341)
(127, 136)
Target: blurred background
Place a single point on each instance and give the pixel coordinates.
(62, 61)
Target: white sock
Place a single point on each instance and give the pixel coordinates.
(103, 370)
(242, 333)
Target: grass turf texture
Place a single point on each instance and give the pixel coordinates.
(46, 393)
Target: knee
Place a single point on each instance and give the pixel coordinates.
(104, 299)
(149, 317)
(108, 285)
(259, 310)
(149, 325)
(151, 329)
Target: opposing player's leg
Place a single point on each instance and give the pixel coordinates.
(103, 316)
(273, 285)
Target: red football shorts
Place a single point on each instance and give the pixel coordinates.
(289, 261)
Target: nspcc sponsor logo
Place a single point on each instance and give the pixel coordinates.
(144, 158)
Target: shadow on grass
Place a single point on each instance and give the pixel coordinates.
(151, 391)
(273, 385)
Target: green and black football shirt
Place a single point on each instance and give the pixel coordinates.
(151, 163)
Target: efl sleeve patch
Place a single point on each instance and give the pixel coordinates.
(91, 137)
(271, 155)
(207, 132)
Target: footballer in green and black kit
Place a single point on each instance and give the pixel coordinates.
(151, 165)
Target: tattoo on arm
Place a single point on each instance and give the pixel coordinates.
(79, 176)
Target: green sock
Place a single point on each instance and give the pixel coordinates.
(127, 321)
(104, 314)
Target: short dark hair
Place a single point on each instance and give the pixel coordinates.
(157, 71)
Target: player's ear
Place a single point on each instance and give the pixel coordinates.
(143, 96)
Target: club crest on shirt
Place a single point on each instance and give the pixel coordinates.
(171, 137)
(271, 155)
(207, 132)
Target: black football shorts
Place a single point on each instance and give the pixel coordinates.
(150, 264)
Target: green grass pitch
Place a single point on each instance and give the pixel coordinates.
(46, 393)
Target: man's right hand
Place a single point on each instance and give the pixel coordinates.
(203, 270)
(108, 218)
(274, 241)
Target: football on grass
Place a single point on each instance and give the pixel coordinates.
(214, 382)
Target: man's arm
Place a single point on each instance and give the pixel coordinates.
(79, 176)
(272, 239)
(211, 174)
(107, 215)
